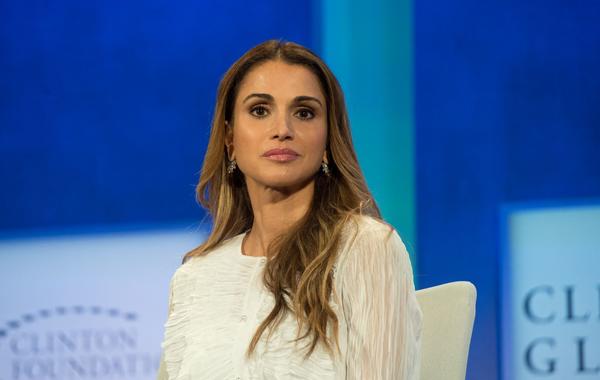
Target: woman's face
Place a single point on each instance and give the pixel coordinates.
(279, 130)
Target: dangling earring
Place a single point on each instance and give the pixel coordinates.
(231, 167)
(325, 168)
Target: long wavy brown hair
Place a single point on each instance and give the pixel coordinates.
(299, 270)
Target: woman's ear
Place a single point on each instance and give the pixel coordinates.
(229, 140)
(325, 156)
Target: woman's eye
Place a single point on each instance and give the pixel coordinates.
(305, 114)
(259, 111)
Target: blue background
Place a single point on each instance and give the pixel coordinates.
(507, 110)
(105, 111)
(105, 107)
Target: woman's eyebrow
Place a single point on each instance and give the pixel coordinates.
(261, 96)
(269, 97)
(302, 98)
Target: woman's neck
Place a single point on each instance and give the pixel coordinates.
(274, 212)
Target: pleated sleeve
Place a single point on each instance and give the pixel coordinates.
(162, 368)
(380, 307)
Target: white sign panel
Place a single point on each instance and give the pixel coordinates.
(87, 306)
(551, 293)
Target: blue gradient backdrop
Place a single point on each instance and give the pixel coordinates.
(105, 110)
(105, 106)
(507, 101)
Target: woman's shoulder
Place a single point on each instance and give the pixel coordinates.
(367, 227)
(214, 255)
(369, 238)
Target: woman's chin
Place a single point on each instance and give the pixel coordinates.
(285, 184)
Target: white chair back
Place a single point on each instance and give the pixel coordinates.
(448, 315)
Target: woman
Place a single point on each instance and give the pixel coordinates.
(299, 278)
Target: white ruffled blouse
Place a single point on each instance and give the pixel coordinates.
(218, 300)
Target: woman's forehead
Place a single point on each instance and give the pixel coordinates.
(280, 80)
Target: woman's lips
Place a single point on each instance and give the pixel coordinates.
(281, 155)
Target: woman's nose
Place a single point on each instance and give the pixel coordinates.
(283, 128)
